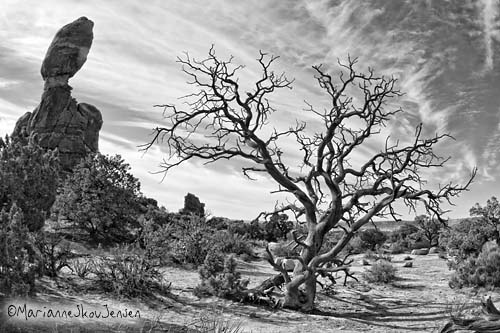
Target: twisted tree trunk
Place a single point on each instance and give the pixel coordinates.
(300, 293)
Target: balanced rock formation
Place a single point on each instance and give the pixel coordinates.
(59, 121)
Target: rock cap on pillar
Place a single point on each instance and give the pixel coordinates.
(68, 51)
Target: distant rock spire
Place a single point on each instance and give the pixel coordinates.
(59, 121)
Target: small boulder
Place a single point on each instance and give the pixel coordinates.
(420, 252)
(434, 250)
(273, 246)
(298, 267)
(279, 262)
(408, 264)
(288, 264)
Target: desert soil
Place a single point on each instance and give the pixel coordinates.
(419, 301)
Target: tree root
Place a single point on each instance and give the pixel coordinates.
(263, 294)
(489, 323)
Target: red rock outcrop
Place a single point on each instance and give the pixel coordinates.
(59, 121)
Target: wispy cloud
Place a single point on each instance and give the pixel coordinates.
(489, 13)
(434, 49)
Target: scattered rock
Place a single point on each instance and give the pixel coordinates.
(288, 264)
(273, 246)
(408, 264)
(279, 261)
(59, 121)
(298, 267)
(420, 252)
(434, 250)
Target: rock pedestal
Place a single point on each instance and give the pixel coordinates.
(59, 121)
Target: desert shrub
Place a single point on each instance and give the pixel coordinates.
(400, 246)
(370, 255)
(213, 321)
(356, 245)
(420, 244)
(406, 231)
(466, 238)
(101, 198)
(221, 223)
(229, 242)
(18, 260)
(489, 215)
(191, 238)
(246, 257)
(369, 239)
(158, 215)
(240, 227)
(378, 255)
(156, 240)
(192, 245)
(372, 238)
(129, 272)
(273, 230)
(81, 267)
(480, 271)
(29, 176)
(219, 277)
(475, 260)
(384, 256)
(403, 238)
(277, 227)
(54, 252)
(194, 238)
(380, 272)
(255, 231)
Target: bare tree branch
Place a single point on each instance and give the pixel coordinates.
(224, 122)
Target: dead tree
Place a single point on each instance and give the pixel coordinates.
(223, 121)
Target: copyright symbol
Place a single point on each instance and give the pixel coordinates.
(11, 310)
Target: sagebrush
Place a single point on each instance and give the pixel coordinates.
(219, 278)
(380, 272)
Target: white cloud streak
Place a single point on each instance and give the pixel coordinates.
(131, 66)
(489, 13)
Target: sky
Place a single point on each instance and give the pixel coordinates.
(445, 55)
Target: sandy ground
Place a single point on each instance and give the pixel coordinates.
(419, 301)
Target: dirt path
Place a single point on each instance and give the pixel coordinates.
(419, 301)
